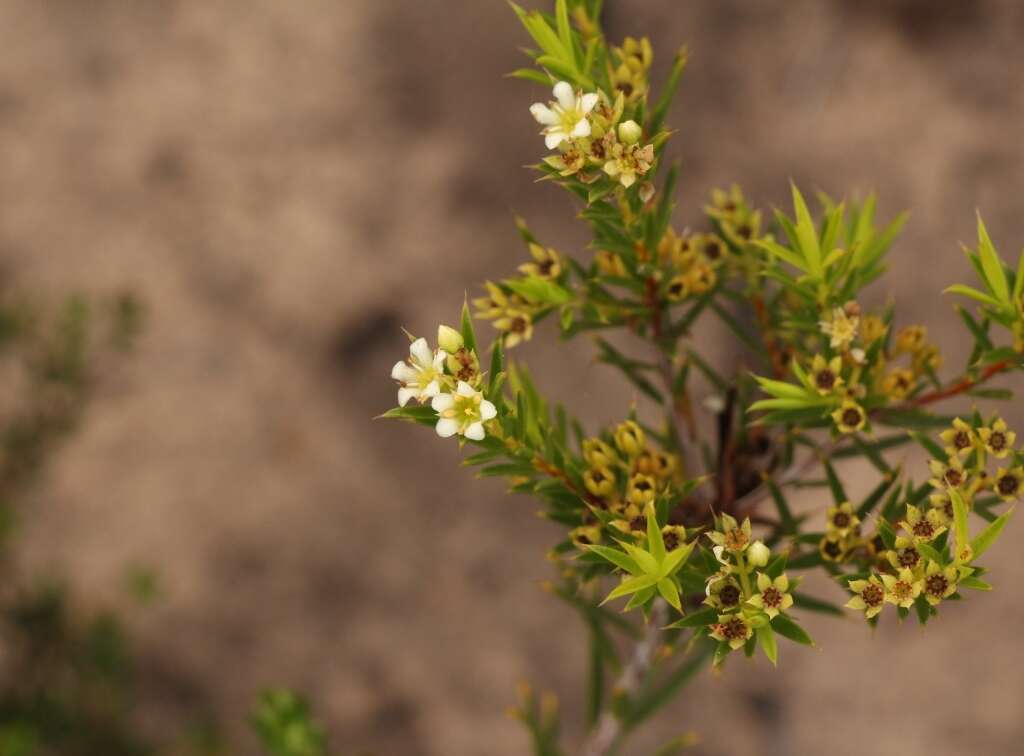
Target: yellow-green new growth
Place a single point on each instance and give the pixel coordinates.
(651, 568)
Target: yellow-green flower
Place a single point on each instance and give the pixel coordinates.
(897, 384)
(600, 481)
(998, 439)
(627, 162)
(850, 417)
(902, 589)
(585, 535)
(841, 328)
(939, 582)
(630, 439)
(959, 439)
(773, 595)
(842, 520)
(872, 328)
(833, 548)
(950, 474)
(911, 339)
(597, 453)
(868, 596)
(923, 527)
(674, 536)
(641, 490)
(723, 592)
(700, 278)
(732, 536)
(825, 374)
(610, 264)
(733, 629)
(904, 555)
(677, 289)
(546, 263)
(1008, 482)
(516, 325)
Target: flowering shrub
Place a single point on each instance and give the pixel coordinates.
(687, 519)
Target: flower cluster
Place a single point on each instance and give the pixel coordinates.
(920, 564)
(749, 590)
(449, 378)
(588, 131)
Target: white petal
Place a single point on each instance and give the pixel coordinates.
(543, 114)
(553, 138)
(421, 353)
(402, 372)
(475, 432)
(442, 402)
(433, 389)
(564, 95)
(439, 358)
(582, 128)
(446, 427)
(628, 179)
(404, 395)
(487, 410)
(588, 101)
(464, 389)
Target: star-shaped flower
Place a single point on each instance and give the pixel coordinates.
(463, 412)
(566, 118)
(420, 377)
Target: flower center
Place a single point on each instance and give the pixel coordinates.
(833, 549)
(936, 585)
(841, 520)
(954, 477)
(772, 598)
(736, 539)
(734, 629)
(997, 441)
(1008, 485)
(902, 590)
(923, 529)
(872, 594)
(671, 540)
(851, 417)
(518, 325)
(961, 440)
(825, 379)
(729, 595)
(907, 557)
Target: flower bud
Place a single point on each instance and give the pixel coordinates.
(758, 554)
(630, 132)
(449, 339)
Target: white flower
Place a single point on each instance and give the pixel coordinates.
(842, 328)
(566, 118)
(463, 412)
(419, 378)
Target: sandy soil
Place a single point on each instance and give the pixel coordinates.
(285, 184)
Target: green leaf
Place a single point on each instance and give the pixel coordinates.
(975, 584)
(618, 558)
(631, 585)
(655, 543)
(676, 558)
(807, 234)
(838, 494)
(929, 552)
(766, 640)
(468, 336)
(988, 536)
(992, 265)
(963, 538)
(700, 618)
(660, 109)
(967, 291)
(538, 290)
(787, 628)
(669, 592)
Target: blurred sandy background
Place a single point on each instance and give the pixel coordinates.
(285, 184)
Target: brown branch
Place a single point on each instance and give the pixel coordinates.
(964, 384)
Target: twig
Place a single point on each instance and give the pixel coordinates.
(609, 726)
